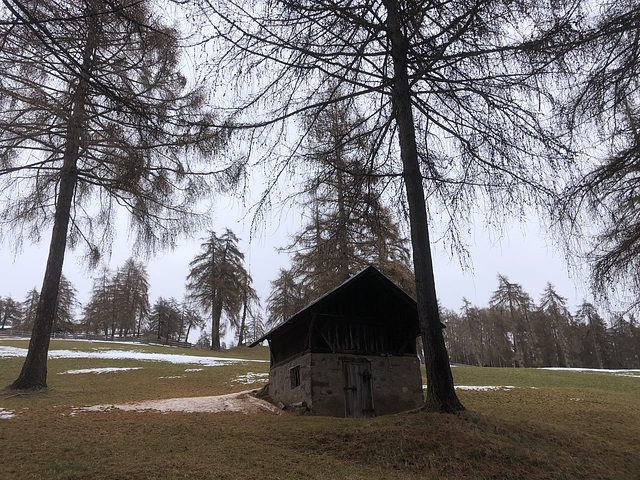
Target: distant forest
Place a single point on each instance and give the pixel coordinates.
(514, 331)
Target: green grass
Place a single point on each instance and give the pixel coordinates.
(571, 425)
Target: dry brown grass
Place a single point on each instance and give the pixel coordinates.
(573, 425)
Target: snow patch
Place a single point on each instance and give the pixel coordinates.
(131, 355)
(99, 370)
(6, 414)
(242, 402)
(623, 372)
(6, 352)
(251, 377)
(485, 387)
(193, 369)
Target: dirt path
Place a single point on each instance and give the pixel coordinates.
(242, 402)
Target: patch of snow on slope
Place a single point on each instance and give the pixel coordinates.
(241, 402)
(12, 352)
(484, 388)
(620, 372)
(6, 414)
(99, 370)
(251, 377)
(130, 355)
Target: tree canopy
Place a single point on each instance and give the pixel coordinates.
(95, 115)
(453, 96)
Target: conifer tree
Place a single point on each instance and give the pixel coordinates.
(515, 304)
(555, 322)
(65, 307)
(95, 115)
(216, 281)
(10, 312)
(285, 299)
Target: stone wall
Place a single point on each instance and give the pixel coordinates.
(396, 383)
(280, 388)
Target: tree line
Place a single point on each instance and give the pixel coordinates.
(514, 331)
(119, 302)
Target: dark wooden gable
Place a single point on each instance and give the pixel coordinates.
(366, 315)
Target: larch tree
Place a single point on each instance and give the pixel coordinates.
(99, 312)
(555, 321)
(596, 337)
(453, 95)
(131, 283)
(29, 309)
(189, 318)
(250, 305)
(285, 299)
(516, 305)
(216, 281)
(165, 320)
(10, 312)
(602, 114)
(350, 225)
(66, 305)
(96, 117)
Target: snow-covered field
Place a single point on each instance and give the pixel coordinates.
(6, 351)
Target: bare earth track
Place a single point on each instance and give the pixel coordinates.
(241, 402)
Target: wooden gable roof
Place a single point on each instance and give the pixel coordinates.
(366, 314)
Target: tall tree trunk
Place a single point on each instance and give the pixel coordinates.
(441, 394)
(596, 346)
(186, 337)
(343, 220)
(34, 371)
(244, 319)
(215, 325)
(139, 324)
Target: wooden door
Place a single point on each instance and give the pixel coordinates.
(358, 395)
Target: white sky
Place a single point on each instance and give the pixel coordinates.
(523, 255)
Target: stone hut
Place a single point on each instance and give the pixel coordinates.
(350, 353)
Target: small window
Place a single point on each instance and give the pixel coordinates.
(295, 377)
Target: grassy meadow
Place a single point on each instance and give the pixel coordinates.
(552, 424)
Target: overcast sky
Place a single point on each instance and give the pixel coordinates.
(523, 254)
